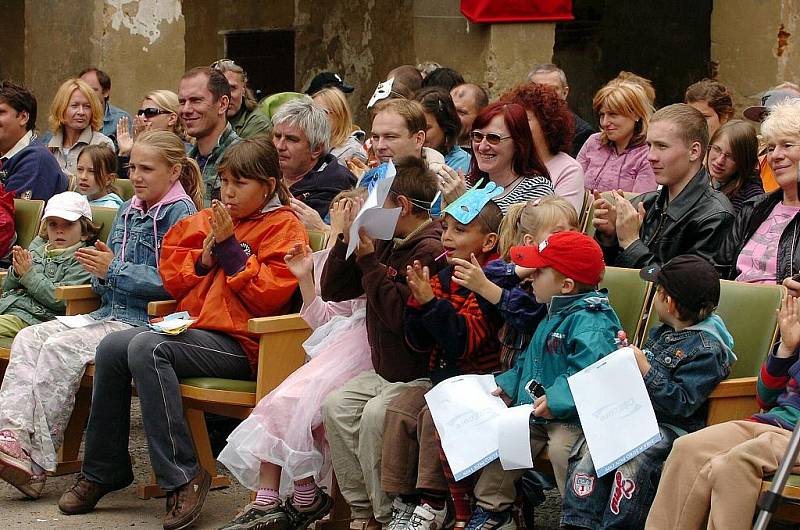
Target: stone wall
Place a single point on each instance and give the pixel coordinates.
(12, 40)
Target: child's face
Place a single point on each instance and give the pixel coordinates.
(662, 306)
(460, 241)
(87, 184)
(151, 175)
(243, 196)
(533, 240)
(547, 283)
(62, 233)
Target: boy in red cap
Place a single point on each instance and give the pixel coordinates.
(581, 327)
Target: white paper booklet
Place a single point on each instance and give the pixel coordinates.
(615, 410)
(379, 222)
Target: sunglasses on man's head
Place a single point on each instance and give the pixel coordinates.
(151, 112)
(493, 138)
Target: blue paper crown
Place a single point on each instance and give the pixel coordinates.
(468, 206)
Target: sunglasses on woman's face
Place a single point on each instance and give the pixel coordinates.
(491, 138)
(151, 112)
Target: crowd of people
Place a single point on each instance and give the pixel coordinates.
(486, 272)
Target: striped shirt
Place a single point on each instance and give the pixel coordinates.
(526, 189)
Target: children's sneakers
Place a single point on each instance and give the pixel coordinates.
(401, 514)
(257, 516)
(425, 517)
(486, 520)
(303, 517)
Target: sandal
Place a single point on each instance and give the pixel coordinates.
(16, 466)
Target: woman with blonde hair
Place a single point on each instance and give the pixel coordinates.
(347, 140)
(160, 111)
(76, 116)
(616, 157)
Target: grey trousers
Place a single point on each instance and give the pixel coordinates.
(156, 362)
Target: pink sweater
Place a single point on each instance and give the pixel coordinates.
(606, 170)
(566, 175)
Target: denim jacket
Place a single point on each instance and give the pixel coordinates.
(133, 279)
(685, 367)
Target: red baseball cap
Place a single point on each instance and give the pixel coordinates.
(573, 254)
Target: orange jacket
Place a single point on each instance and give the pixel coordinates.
(225, 303)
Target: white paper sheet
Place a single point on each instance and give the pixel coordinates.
(378, 222)
(514, 440)
(76, 321)
(466, 417)
(615, 410)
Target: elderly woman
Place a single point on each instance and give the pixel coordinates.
(553, 127)
(616, 158)
(76, 116)
(763, 245)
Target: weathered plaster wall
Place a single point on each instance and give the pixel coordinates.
(512, 49)
(753, 46)
(12, 40)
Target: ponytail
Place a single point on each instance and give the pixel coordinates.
(191, 179)
(510, 232)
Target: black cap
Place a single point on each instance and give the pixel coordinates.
(325, 80)
(691, 280)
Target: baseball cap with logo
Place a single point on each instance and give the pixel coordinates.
(68, 205)
(690, 279)
(768, 100)
(325, 80)
(573, 254)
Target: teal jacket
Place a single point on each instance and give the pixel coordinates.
(578, 330)
(31, 296)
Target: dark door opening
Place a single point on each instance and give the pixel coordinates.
(267, 56)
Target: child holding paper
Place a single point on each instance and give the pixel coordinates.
(683, 361)
(353, 415)
(580, 329)
(446, 323)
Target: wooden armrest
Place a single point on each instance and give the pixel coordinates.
(280, 349)
(161, 308)
(277, 324)
(739, 387)
(75, 292)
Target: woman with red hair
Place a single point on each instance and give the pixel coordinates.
(553, 128)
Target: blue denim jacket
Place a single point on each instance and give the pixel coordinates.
(133, 279)
(685, 367)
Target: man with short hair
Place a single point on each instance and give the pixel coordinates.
(204, 96)
(302, 135)
(26, 166)
(686, 216)
(101, 84)
(551, 75)
(469, 100)
(243, 113)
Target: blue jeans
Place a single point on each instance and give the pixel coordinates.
(619, 499)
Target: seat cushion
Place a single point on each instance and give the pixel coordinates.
(216, 383)
(5, 342)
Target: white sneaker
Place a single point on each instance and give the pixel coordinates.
(401, 514)
(426, 517)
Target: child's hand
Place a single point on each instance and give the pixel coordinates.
(523, 273)
(221, 222)
(541, 410)
(95, 260)
(207, 259)
(499, 392)
(469, 274)
(124, 140)
(349, 215)
(365, 245)
(419, 281)
(299, 261)
(641, 360)
(340, 210)
(21, 260)
(789, 321)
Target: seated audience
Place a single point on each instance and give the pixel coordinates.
(96, 174)
(713, 100)
(243, 112)
(758, 113)
(347, 140)
(101, 84)
(27, 168)
(469, 99)
(160, 111)
(732, 162)
(552, 128)
(443, 128)
(616, 157)
(686, 216)
(224, 265)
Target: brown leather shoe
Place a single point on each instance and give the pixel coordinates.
(82, 497)
(188, 501)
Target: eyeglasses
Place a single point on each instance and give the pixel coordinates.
(492, 138)
(717, 150)
(151, 112)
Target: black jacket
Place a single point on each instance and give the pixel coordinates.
(753, 213)
(582, 133)
(320, 185)
(695, 222)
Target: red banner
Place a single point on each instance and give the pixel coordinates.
(494, 11)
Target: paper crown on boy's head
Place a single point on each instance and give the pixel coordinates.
(468, 206)
(573, 254)
(382, 91)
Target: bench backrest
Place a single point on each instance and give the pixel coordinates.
(629, 296)
(27, 219)
(104, 218)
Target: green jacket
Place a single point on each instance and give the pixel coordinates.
(249, 123)
(31, 297)
(209, 164)
(578, 330)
